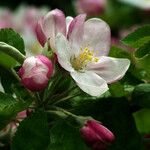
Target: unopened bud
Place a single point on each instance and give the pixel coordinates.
(96, 135)
(35, 72)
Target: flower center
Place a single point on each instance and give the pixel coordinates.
(86, 55)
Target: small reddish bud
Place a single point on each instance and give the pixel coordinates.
(96, 135)
(35, 72)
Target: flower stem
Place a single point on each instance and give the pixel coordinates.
(75, 120)
(66, 98)
(37, 99)
(12, 51)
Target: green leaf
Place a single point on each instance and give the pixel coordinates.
(7, 79)
(32, 133)
(143, 63)
(7, 61)
(119, 52)
(12, 38)
(117, 90)
(143, 50)
(138, 37)
(142, 121)
(9, 107)
(65, 137)
(141, 95)
(125, 16)
(142, 59)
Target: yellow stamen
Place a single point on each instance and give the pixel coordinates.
(86, 55)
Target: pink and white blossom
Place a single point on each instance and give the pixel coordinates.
(49, 25)
(35, 72)
(84, 55)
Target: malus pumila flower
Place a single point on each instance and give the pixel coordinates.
(84, 55)
(35, 72)
(96, 135)
(49, 25)
(90, 7)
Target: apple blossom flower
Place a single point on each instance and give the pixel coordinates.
(96, 135)
(90, 7)
(143, 4)
(35, 72)
(48, 26)
(84, 55)
(24, 20)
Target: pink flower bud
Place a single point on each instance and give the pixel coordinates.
(47, 27)
(22, 114)
(35, 72)
(96, 135)
(90, 7)
(39, 32)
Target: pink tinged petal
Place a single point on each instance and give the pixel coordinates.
(96, 135)
(39, 78)
(64, 52)
(68, 21)
(106, 135)
(28, 65)
(48, 64)
(97, 36)
(90, 83)
(53, 23)
(110, 69)
(39, 32)
(89, 135)
(75, 32)
(33, 85)
(22, 114)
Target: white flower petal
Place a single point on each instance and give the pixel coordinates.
(97, 36)
(90, 83)
(110, 69)
(64, 52)
(53, 23)
(75, 32)
(29, 63)
(68, 21)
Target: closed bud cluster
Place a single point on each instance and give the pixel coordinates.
(35, 72)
